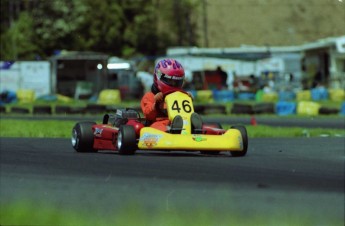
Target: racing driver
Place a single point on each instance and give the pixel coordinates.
(168, 77)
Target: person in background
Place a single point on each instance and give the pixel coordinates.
(168, 77)
(224, 77)
(253, 83)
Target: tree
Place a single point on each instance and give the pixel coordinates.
(17, 42)
(56, 24)
(124, 28)
(101, 28)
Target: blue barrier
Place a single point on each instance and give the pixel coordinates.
(223, 95)
(286, 96)
(193, 92)
(342, 110)
(7, 97)
(319, 94)
(285, 108)
(246, 96)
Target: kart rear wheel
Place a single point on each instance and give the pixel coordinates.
(126, 140)
(82, 137)
(243, 132)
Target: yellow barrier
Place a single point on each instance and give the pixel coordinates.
(204, 96)
(337, 94)
(25, 95)
(304, 95)
(109, 97)
(63, 98)
(270, 97)
(308, 108)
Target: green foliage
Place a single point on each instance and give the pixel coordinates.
(123, 28)
(56, 24)
(17, 41)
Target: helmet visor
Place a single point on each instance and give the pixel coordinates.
(173, 81)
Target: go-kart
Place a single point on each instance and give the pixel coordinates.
(126, 132)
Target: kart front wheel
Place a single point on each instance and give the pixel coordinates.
(244, 135)
(82, 137)
(126, 140)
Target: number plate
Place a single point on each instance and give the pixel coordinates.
(179, 103)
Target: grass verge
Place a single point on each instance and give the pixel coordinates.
(62, 129)
(30, 213)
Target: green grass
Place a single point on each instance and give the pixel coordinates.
(269, 131)
(35, 128)
(30, 213)
(62, 129)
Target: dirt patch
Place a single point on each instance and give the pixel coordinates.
(271, 22)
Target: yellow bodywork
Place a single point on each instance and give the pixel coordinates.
(179, 103)
(151, 138)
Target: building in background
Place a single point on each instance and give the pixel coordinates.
(298, 64)
(78, 74)
(324, 63)
(26, 75)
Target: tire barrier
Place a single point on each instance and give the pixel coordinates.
(20, 110)
(264, 108)
(62, 110)
(77, 110)
(42, 110)
(95, 109)
(328, 111)
(214, 109)
(199, 108)
(242, 109)
(2, 109)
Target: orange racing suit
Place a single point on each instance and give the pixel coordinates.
(155, 113)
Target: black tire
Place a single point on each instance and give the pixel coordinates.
(82, 137)
(210, 152)
(243, 132)
(126, 140)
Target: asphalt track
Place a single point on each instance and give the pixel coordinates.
(279, 179)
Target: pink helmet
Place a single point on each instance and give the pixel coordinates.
(168, 76)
